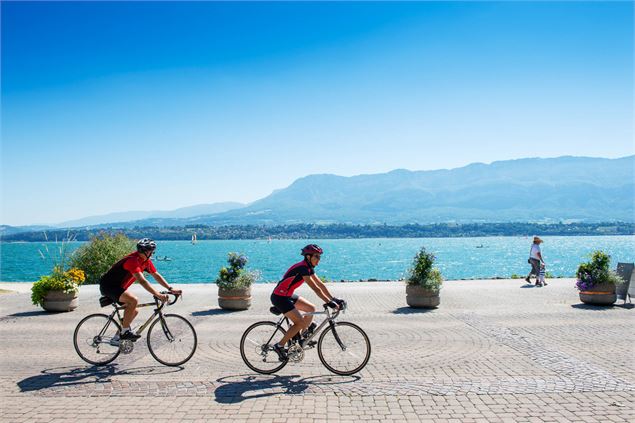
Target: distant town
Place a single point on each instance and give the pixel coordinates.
(335, 231)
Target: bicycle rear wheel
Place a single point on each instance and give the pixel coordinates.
(344, 348)
(256, 347)
(92, 339)
(172, 340)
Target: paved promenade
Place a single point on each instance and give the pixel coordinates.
(494, 351)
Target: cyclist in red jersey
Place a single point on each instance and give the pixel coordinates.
(115, 282)
(289, 303)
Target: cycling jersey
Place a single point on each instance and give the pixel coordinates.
(121, 273)
(293, 278)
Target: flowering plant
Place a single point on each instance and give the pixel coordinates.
(235, 276)
(59, 280)
(596, 272)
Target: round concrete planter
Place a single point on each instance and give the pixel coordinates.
(234, 299)
(420, 297)
(602, 294)
(60, 301)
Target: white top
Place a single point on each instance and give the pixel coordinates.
(535, 249)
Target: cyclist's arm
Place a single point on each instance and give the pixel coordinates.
(318, 287)
(159, 278)
(145, 284)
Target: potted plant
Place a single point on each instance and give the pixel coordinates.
(234, 283)
(423, 282)
(58, 291)
(596, 282)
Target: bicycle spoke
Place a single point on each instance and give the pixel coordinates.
(350, 354)
(256, 347)
(92, 347)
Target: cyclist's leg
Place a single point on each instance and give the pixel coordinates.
(298, 324)
(130, 301)
(308, 307)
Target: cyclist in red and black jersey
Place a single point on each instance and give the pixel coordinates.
(289, 303)
(115, 282)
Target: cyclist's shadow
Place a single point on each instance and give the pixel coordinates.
(245, 387)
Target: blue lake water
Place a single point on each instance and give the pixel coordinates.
(348, 259)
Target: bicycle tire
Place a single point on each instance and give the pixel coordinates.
(350, 332)
(183, 333)
(90, 339)
(257, 345)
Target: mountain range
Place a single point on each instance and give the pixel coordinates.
(524, 190)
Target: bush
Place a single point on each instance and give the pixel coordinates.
(101, 252)
(423, 273)
(596, 272)
(59, 280)
(235, 276)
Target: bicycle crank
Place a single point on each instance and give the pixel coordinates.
(295, 353)
(126, 346)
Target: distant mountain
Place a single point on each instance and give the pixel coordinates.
(533, 189)
(6, 230)
(182, 213)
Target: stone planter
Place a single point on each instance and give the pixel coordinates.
(602, 294)
(60, 301)
(418, 297)
(234, 299)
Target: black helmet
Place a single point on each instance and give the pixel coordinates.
(146, 244)
(311, 249)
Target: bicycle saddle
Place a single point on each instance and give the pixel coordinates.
(275, 311)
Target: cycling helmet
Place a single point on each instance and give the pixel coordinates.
(311, 249)
(146, 244)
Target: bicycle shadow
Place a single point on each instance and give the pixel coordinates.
(249, 387)
(64, 377)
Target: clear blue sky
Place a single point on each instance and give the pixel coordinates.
(146, 106)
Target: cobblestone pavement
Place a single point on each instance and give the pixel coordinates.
(494, 351)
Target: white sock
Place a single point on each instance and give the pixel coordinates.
(126, 329)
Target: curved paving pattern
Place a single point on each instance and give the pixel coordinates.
(490, 352)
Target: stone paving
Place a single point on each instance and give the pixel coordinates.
(494, 351)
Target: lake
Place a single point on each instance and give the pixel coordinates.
(347, 259)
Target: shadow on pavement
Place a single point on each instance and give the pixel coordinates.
(236, 389)
(63, 377)
(30, 313)
(410, 310)
(583, 306)
(212, 312)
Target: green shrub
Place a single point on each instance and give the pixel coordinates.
(235, 276)
(101, 252)
(423, 273)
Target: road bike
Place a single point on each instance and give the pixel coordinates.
(171, 338)
(343, 347)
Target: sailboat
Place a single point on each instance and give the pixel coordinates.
(193, 238)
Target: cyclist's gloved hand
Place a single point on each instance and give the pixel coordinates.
(340, 303)
(332, 304)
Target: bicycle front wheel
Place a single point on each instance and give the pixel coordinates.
(93, 339)
(172, 340)
(256, 347)
(344, 348)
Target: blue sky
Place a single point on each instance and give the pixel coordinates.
(152, 106)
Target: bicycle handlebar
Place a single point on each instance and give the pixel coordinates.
(176, 297)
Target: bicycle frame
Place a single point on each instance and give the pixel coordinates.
(330, 318)
(157, 312)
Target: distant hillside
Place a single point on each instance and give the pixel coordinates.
(152, 217)
(564, 188)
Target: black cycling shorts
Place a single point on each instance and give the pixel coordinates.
(284, 304)
(111, 291)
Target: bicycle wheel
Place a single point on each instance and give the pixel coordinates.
(172, 340)
(92, 339)
(256, 347)
(344, 350)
